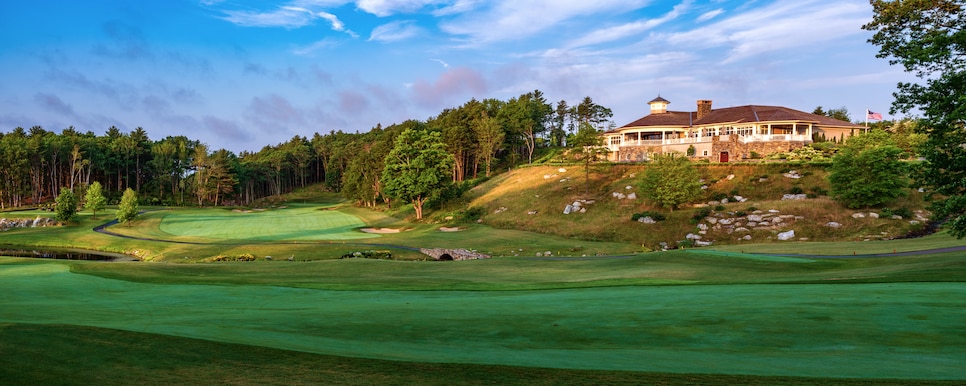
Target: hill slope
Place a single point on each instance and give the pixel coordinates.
(535, 198)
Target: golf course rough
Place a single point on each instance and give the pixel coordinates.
(293, 223)
(884, 330)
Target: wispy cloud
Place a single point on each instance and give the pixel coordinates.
(394, 31)
(515, 20)
(293, 15)
(444, 64)
(776, 27)
(630, 29)
(709, 15)
(312, 48)
(383, 8)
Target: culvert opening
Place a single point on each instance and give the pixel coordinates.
(446, 257)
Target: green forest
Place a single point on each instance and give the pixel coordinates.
(480, 136)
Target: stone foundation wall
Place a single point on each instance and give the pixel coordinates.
(452, 254)
(737, 150)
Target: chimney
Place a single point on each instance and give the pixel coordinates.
(704, 108)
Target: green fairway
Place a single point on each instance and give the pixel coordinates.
(880, 330)
(294, 223)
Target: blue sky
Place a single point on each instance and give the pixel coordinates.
(240, 74)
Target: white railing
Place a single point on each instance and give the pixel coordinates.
(774, 138)
(721, 138)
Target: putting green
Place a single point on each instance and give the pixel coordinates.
(294, 223)
(891, 330)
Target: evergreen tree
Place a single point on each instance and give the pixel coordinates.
(94, 200)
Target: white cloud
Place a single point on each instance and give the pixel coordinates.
(460, 6)
(293, 15)
(311, 48)
(709, 15)
(630, 29)
(514, 19)
(394, 31)
(777, 27)
(383, 8)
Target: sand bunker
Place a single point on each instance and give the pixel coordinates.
(450, 229)
(380, 230)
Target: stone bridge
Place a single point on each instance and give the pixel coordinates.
(443, 254)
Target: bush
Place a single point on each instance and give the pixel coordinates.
(751, 209)
(242, 257)
(818, 190)
(656, 216)
(719, 208)
(700, 215)
(473, 213)
(718, 196)
(382, 255)
(796, 190)
(902, 212)
(741, 213)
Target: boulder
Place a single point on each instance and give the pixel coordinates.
(730, 177)
(561, 170)
(703, 226)
(784, 236)
(569, 209)
(914, 222)
(628, 187)
(794, 197)
(858, 215)
(746, 237)
(873, 215)
(754, 218)
(699, 243)
(711, 220)
(632, 196)
(833, 225)
(692, 236)
(646, 220)
(583, 210)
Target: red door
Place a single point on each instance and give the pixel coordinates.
(723, 157)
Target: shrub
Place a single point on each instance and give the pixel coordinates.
(382, 255)
(741, 213)
(751, 209)
(818, 190)
(719, 196)
(473, 213)
(656, 216)
(700, 215)
(796, 190)
(719, 208)
(734, 192)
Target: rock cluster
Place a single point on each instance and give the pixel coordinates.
(6, 224)
(579, 206)
(758, 220)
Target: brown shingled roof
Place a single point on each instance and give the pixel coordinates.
(670, 118)
(755, 113)
(749, 113)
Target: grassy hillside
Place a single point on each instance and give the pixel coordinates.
(534, 199)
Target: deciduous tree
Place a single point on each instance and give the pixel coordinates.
(868, 171)
(94, 200)
(928, 39)
(417, 168)
(671, 180)
(66, 205)
(127, 210)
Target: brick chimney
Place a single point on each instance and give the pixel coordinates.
(704, 108)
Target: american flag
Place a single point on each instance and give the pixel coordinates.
(869, 114)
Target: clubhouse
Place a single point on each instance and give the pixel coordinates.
(721, 135)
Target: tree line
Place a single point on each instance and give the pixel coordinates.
(481, 136)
